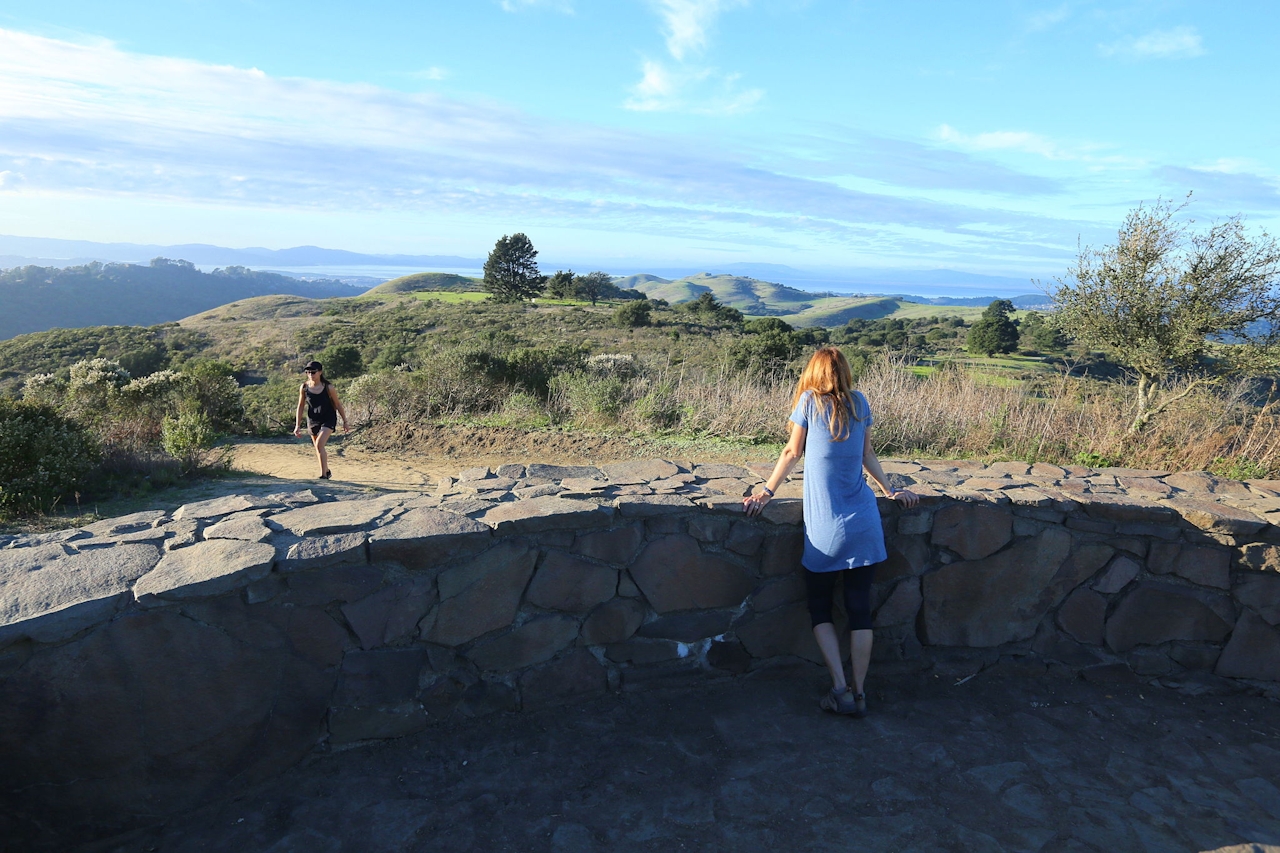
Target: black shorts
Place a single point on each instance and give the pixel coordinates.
(315, 428)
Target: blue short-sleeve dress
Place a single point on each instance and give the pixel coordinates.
(841, 521)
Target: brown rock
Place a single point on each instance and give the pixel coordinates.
(1147, 487)
(391, 614)
(908, 556)
(1260, 557)
(1118, 575)
(1050, 472)
(533, 642)
(745, 538)
(611, 546)
(782, 553)
(481, 596)
(1216, 517)
(1157, 612)
(572, 584)
(973, 531)
(996, 600)
(1203, 565)
(902, 605)
(776, 593)
(674, 574)
(1253, 651)
(1261, 594)
(575, 676)
(613, 622)
(1082, 616)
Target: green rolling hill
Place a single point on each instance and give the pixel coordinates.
(425, 281)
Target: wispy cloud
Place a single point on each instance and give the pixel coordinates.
(1176, 43)
(432, 73)
(686, 85)
(93, 119)
(1002, 140)
(1229, 187)
(1048, 18)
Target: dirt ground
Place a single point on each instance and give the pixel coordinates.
(405, 457)
(989, 764)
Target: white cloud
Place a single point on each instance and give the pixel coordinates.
(690, 89)
(432, 73)
(89, 119)
(687, 86)
(1176, 43)
(1002, 140)
(1048, 19)
(686, 23)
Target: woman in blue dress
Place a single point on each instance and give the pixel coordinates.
(843, 538)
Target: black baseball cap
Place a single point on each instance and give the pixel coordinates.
(314, 365)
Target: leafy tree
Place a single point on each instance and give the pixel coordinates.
(631, 314)
(342, 361)
(710, 310)
(1039, 334)
(561, 285)
(43, 456)
(994, 332)
(594, 285)
(511, 271)
(1171, 303)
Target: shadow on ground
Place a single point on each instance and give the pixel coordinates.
(1013, 764)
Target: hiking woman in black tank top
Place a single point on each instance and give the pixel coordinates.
(320, 401)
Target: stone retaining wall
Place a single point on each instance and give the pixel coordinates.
(150, 662)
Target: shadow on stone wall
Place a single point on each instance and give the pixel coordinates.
(152, 662)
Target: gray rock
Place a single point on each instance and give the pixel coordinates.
(537, 491)
(423, 538)
(722, 472)
(384, 677)
(1261, 593)
(473, 474)
(315, 552)
(781, 510)
(48, 595)
(638, 471)
(351, 725)
(674, 574)
(1156, 612)
(514, 471)
(583, 485)
(550, 513)
(391, 614)
(901, 606)
(644, 506)
(688, 627)
(302, 497)
(481, 596)
(127, 523)
(247, 526)
(1083, 615)
(1253, 651)
(561, 472)
(533, 642)
(999, 599)
(1216, 517)
(610, 546)
(334, 516)
(613, 622)
(571, 584)
(218, 507)
(204, 569)
(973, 531)
(575, 676)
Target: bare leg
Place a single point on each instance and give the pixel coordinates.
(825, 634)
(860, 651)
(321, 454)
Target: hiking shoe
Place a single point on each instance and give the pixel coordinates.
(839, 702)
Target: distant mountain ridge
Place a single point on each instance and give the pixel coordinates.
(40, 298)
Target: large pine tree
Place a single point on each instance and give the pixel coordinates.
(511, 272)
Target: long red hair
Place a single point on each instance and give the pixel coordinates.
(828, 376)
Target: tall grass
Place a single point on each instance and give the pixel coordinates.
(949, 413)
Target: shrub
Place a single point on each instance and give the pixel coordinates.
(341, 361)
(189, 437)
(631, 315)
(43, 456)
(589, 399)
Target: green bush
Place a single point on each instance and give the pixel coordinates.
(341, 361)
(634, 314)
(659, 408)
(43, 456)
(589, 399)
(189, 437)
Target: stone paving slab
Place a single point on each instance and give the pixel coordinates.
(993, 764)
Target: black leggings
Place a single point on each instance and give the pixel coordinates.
(857, 595)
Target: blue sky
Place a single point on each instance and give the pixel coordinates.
(986, 137)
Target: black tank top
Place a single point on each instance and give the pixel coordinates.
(320, 408)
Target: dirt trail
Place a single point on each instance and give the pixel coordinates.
(406, 457)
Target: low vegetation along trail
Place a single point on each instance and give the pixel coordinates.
(409, 457)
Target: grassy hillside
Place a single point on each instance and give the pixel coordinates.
(838, 310)
(39, 298)
(426, 281)
(748, 295)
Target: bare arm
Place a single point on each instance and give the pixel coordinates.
(302, 407)
(333, 395)
(787, 460)
(871, 463)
